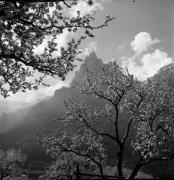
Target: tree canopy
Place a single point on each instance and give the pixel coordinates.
(149, 125)
(9, 160)
(83, 146)
(25, 25)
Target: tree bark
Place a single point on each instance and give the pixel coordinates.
(2, 174)
(1, 177)
(77, 173)
(135, 171)
(101, 173)
(120, 161)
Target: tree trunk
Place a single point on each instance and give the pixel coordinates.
(135, 171)
(77, 173)
(101, 172)
(1, 177)
(120, 162)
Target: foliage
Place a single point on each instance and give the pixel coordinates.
(67, 163)
(149, 109)
(110, 170)
(9, 160)
(24, 26)
(82, 148)
(149, 105)
(155, 126)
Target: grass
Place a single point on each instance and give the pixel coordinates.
(111, 170)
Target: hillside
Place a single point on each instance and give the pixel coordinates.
(36, 122)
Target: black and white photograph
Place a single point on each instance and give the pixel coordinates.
(86, 89)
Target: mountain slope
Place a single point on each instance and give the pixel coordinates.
(37, 122)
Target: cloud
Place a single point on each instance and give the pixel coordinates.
(92, 46)
(61, 41)
(148, 64)
(32, 97)
(142, 42)
(85, 8)
(23, 100)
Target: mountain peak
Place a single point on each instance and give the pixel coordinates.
(93, 63)
(92, 60)
(168, 67)
(166, 73)
(92, 55)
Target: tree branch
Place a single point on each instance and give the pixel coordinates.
(30, 64)
(127, 130)
(131, 119)
(159, 159)
(95, 131)
(79, 154)
(116, 124)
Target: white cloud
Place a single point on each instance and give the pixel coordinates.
(28, 98)
(32, 97)
(61, 41)
(148, 64)
(92, 46)
(23, 100)
(85, 8)
(142, 42)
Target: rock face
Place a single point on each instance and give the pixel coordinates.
(167, 72)
(169, 68)
(92, 63)
(54, 106)
(36, 121)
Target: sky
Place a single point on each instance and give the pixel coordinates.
(140, 38)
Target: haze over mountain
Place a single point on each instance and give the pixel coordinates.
(24, 127)
(13, 105)
(52, 106)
